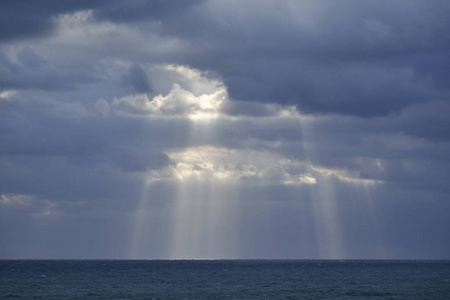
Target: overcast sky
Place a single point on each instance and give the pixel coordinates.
(225, 129)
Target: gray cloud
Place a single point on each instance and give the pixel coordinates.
(34, 72)
(138, 80)
(262, 129)
(368, 61)
(119, 11)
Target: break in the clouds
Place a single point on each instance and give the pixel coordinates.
(224, 129)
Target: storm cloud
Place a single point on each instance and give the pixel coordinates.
(224, 129)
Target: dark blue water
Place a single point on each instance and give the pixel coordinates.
(223, 279)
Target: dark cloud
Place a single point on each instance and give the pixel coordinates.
(428, 121)
(366, 60)
(33, 72)
(138, 80)
(348, 58)
(140, 160)
(360, 90)
(23, 19)
(142, 10)
(275, 129)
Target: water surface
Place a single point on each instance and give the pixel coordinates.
(223, 279)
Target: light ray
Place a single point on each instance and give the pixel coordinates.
(208, 177)
(326, 204)
(324, 208)
(381, 250)
(139, 221)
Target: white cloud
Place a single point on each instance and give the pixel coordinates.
(25, 203)
(7, 94)
(307, 179)
(196, 81)
(80, 34)
(342, 175)
(16, 199)
(193, 95)
(210, 163)
(178, 103)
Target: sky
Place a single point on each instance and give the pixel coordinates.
(211, 129)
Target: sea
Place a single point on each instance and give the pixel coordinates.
(224, 279)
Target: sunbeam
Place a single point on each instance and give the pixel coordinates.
(207, 176)
(324, 209)
(284, 129)
(326, 201)
(139, 221)
(368, 188)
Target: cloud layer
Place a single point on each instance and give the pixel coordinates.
(213, 129)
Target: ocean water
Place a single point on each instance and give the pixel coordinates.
(223, 279)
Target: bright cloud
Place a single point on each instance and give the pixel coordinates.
(7, 94)
(210, 163)
(178, 103)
